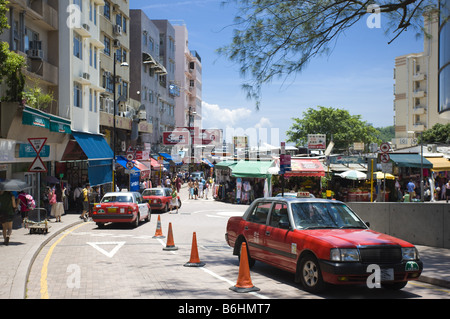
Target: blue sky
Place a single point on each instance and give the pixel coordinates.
(356, 76)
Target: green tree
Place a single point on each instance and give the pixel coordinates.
(439, 133)
(276, 38)
(337, 124)
(11, 63)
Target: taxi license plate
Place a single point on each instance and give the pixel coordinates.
(112, 210)
(387, 274)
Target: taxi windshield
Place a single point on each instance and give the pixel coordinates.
(324, 215)
(153, 192)
(117, 199)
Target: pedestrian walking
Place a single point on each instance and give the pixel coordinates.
(207, 186)
(191, 189)
(410, 187)
(7, 208)
(447, 191)
(195, 189)
(58, 205)
(24, 209)
(174, 200)
(86, 193)
(45, 201)
(200, 188)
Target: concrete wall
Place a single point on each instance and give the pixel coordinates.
(418, 223)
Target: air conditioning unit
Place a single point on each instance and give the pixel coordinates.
(116, 43)
(432, 148)
(86, 76)
(142, 115)
(117, 29)
(35, 54)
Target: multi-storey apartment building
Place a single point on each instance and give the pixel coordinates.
(33, 34)
(114, 61)
(153, 68)
(416, 89)
(189, 75)
(444, 59)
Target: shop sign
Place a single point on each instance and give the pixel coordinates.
(317, 141)
(176, 138)
(26, 150)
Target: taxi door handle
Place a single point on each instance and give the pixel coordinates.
(246, 227)
(267, 233)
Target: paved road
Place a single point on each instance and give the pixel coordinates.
(123, 262)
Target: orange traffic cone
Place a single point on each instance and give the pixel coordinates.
(170, 245)
(158, 232)
(195, 260)
(244, 282)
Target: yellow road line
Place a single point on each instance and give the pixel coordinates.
(44, 270)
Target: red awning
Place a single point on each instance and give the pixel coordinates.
(305, 167)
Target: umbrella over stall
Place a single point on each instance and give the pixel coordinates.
(353, 175)
(13, 185)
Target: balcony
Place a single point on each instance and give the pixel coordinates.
(419, 77)
(419, 110)
(419, 93)
(419, 127)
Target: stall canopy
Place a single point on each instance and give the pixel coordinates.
(410, 160)
(305, 167)
(226, 164)
(258, 169)
(207, 162)
(439, 164)
(99, 155)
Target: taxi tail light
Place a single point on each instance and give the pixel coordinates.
(130, 210)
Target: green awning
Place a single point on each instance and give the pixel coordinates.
(35, 117)
(410, 160)
(59, 125)
(226, 164)
(257, 169)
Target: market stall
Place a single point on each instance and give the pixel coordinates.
(305, 175)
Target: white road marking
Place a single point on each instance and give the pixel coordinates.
(111, 253)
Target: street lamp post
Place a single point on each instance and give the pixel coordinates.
(191, 132)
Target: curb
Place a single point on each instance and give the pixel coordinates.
(19, 284)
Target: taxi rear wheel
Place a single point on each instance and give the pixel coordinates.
(251, 261)
(310, 275)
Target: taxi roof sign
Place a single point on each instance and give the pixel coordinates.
(302, 194)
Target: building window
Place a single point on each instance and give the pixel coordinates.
(95, 58)
(77, 95)
(107, 43)
(95, 101)
(107, 10)
(79, 3)
(90, 54)
(77, 46)
(90, 100)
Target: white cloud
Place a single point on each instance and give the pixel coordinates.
(216, 117)
(263, 122)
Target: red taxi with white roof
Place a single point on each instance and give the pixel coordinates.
(121, 207)
(322, 241)
(160, 198)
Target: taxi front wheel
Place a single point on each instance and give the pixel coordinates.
(310, 275)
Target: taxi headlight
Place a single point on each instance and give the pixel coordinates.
(410, 253)
(344, 254)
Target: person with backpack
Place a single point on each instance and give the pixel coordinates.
(26, 204)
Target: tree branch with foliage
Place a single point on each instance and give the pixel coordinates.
(276, 38)
(11, 63)
(344, 129)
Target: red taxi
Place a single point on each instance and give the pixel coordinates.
(322, 241)
(159, 198)
(121, 207)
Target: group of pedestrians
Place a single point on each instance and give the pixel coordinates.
(199, 188)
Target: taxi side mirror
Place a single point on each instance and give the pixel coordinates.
(367, 224)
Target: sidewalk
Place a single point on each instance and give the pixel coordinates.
(17, 258)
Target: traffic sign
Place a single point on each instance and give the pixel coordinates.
(384, 157)
(37, 143)
(37, 166)
(385, 147)
(130, 165)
